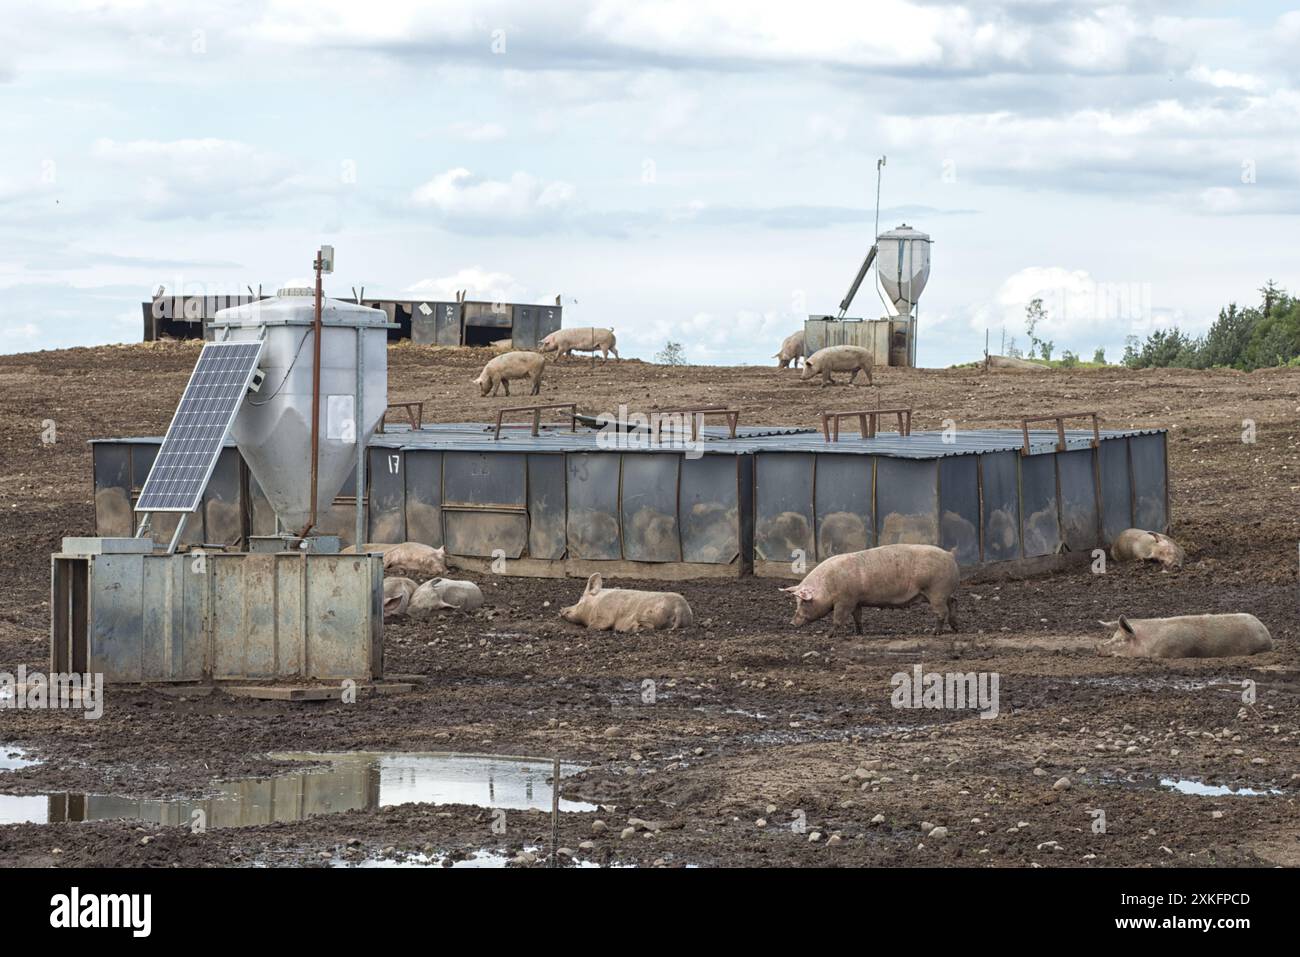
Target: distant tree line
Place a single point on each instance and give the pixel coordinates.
(1256, 337)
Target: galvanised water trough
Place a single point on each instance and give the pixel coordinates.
(569, 502)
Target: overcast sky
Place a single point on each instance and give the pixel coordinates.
(692, 170)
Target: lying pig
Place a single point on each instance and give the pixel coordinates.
(444, 594)
(1187, 636)
(397, 596)
(888, 576)
(513, 365)
(624, 609)
(415, 560)
(853, 359)
(1137, 545)
(564, 342)
(792, 350)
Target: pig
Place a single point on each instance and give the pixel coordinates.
(513, 365)
(564, 342)
(852, 359)
(792, 350)
(1138, 545)
(625, 609)
(397, 596)
(888, 576)
(442, 594)
(415, 560)
(1187, 636)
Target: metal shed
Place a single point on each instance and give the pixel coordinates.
(768, 501)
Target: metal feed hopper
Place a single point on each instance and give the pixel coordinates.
(300, 383)
(274, 428)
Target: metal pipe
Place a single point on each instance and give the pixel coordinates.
(361, 445)
(315, 398)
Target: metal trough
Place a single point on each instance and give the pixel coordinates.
(568, 502)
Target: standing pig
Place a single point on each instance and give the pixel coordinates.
(889, 576)
(442, 594)
(852, 359)
(397, 596)
(564, 342)
(1137, 545)
(624, 609)
(1187, 636)
(415, 560)
(513, 365)
(792, 350)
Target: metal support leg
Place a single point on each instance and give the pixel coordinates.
(361, 445)
(176, 536)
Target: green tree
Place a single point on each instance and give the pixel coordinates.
(672, 354)
(1099, 357)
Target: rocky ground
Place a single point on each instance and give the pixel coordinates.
(763, 744)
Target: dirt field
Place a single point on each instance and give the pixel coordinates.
(753, 720)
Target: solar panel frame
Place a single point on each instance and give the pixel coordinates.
(207, 409)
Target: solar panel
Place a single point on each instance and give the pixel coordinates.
(193, 442)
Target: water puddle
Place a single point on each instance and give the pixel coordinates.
(1201, 789)
(480, 858)
(347, 782)
(15, 759)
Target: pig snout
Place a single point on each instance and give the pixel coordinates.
(572, 614)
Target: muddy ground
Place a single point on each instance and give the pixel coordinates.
(755, 725)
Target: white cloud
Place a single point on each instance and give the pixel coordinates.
(199, 177)
(477, 132)
(467, 202)
(478, 283)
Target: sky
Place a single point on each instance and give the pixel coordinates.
(688, 170)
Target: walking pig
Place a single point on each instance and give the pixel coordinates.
(852, 359)
(564, 342)
(792, 350)
(889, 576)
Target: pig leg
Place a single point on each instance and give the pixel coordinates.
(868, 372)
(615, 351)
(853, 376)
(506, 383)
(952, 613)
(537, 383)
(826, 378)
(842, 615)
(857, 618)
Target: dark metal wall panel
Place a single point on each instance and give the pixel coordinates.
(523, 333)
(1149, 501)
(223, 505)
(549, 321)
(1040, 523)
(113, 515)
(593, 493)
(1116, 489)
(843, 504)
(448, 322)
(907, 501)
(783, 506)
(1000, 504)
(484, 479)
(485, 533)
(547, 509)
(959, 508)
(650, 532)
(495, 314)
(424, 497)
(709, 509)
(424, 323)
(1079, 517)
(142, 456)
(386, 514)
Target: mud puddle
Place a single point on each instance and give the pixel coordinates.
(349, 781)
(1201, 789)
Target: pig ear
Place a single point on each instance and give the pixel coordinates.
(1124, 623)
(800, 591)
(594, 584)
(1108, 625)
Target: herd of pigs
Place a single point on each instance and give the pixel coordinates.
(888, 576)
(531, 366)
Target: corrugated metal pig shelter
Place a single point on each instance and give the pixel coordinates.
(561, 503)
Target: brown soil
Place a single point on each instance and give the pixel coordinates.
(753, 719)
